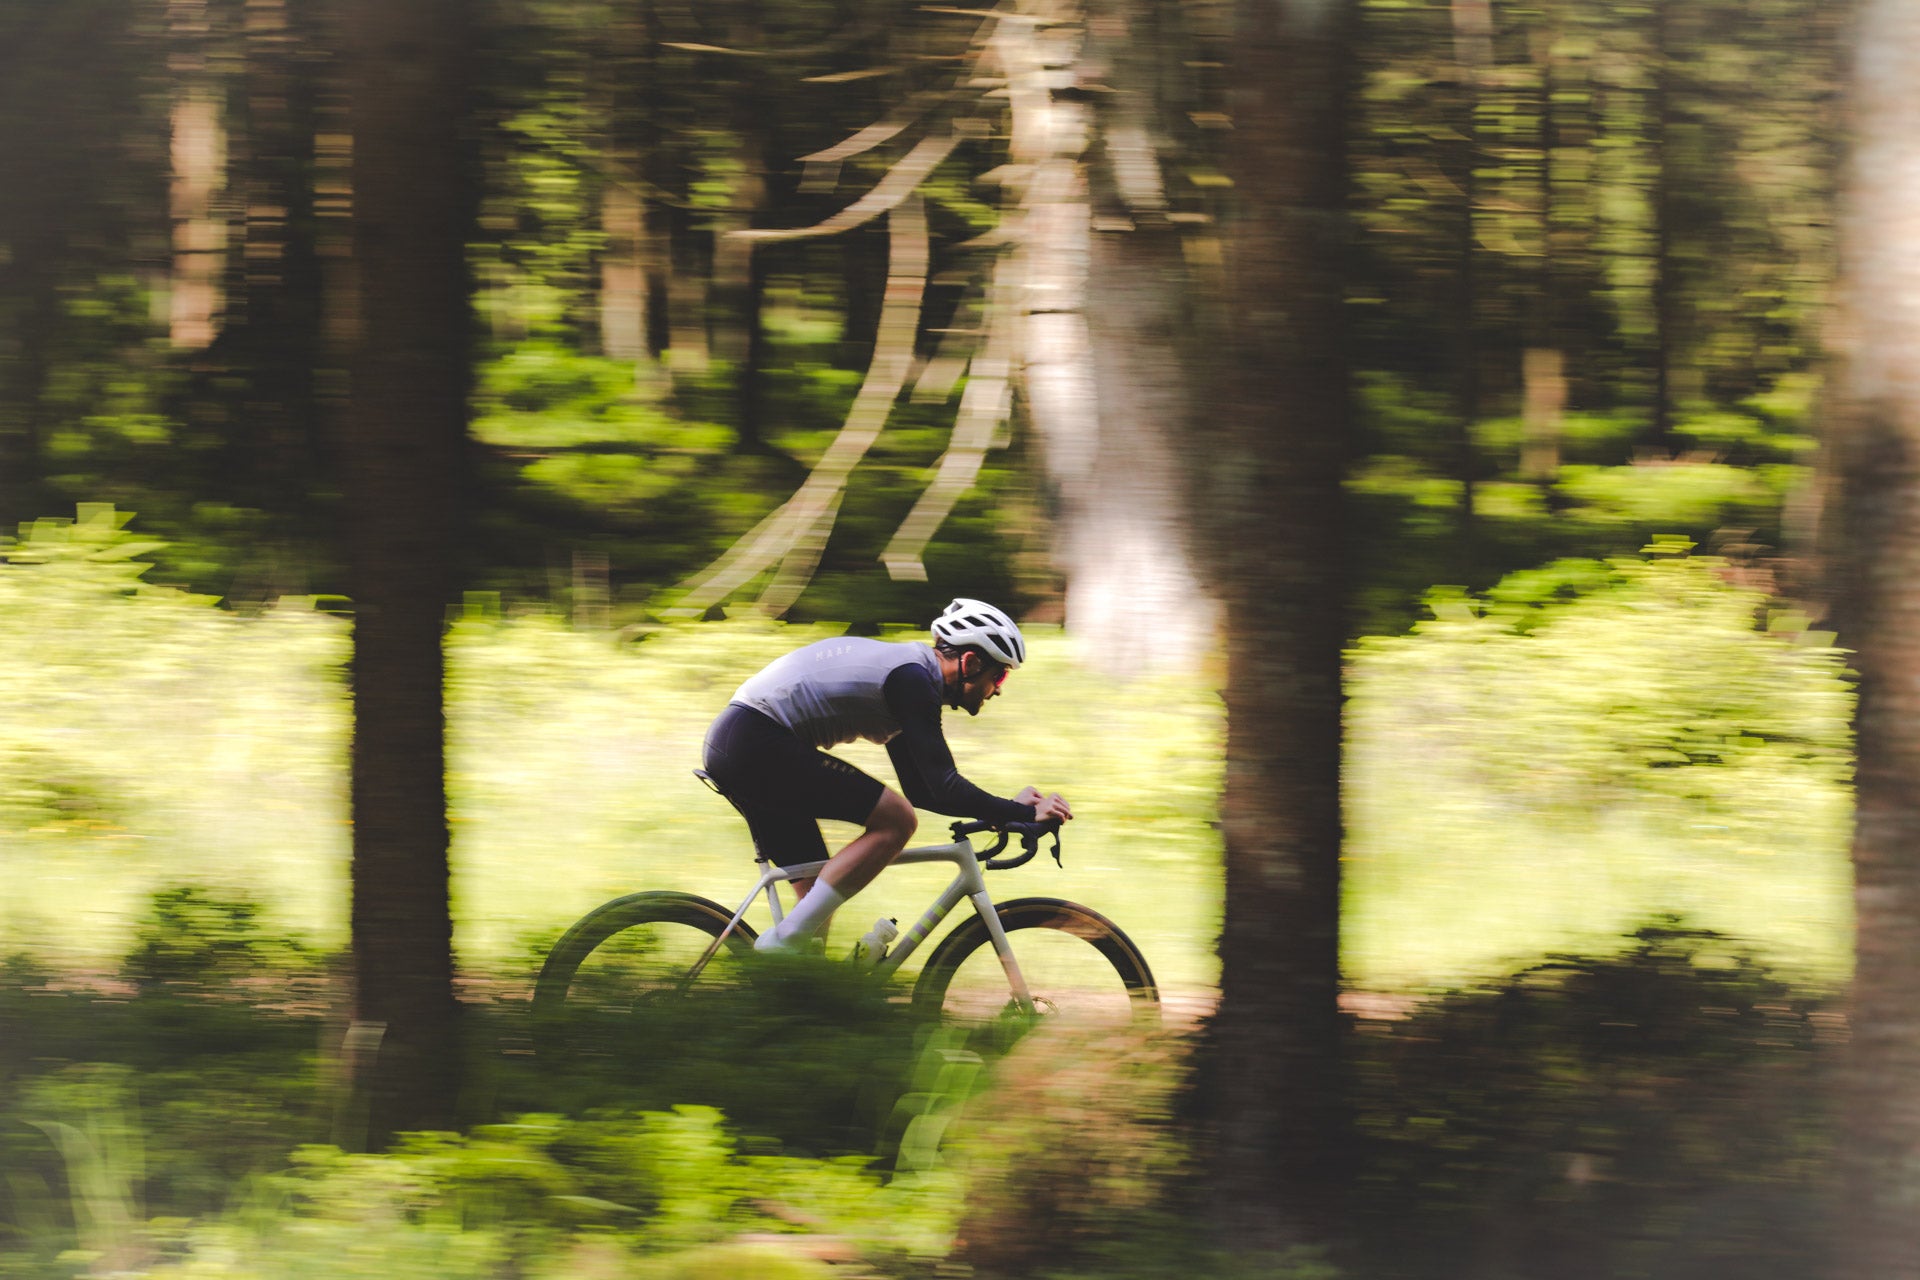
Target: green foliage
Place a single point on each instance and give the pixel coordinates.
(584, 436)
(1655, 747)
(660, 486)
(1711, 709)
(672, 1187)
(812, 1054)
(143, 725)
(1695, 495)
(213, 1076)
(1653, 1110)
(1542, 204)
(1660, 1111)
(1074, 1157)
(1593, 735)
(193, 939)
(1604, 497)
(84, 1118)
(202, 1056)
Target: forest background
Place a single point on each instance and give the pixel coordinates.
(1580, 589)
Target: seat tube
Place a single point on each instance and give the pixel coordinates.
(983, 903)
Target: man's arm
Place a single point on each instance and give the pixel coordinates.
(923, 761)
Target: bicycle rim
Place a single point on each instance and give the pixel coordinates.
(622, 970)
(1078, 965)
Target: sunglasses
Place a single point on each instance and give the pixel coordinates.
(995, 673)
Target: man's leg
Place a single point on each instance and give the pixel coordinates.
(889, 827)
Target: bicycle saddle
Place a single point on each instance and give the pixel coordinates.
(760, 855)
(719, 790)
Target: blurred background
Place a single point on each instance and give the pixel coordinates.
(632, 344)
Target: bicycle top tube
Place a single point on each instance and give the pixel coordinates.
(958, 852)
(969, 881)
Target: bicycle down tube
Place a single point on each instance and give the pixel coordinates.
(969, 883)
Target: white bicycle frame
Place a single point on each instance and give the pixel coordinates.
(970, 883)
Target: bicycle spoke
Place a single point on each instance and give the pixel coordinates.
(644, 963)
(629, 964)
(1068, 979)
(1078, 967)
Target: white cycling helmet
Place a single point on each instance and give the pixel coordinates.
(975, 624)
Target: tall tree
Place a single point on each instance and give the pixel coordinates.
(1272, 458)
(199, 143)
(276, 322)
(79, 177)
(1472, 58)
(405, 422)
(1662, 146)
(1543, 363)
(1879, 451)
(1107, 301)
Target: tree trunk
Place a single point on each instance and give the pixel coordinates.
(1134, 598)
(52, 219)
(1271, 465)
(1543, 376)
(1472, 54)
(623, 279)
(1665, 289)
(411, 211)
(1878, 1227)
(863, 251)
(688, 351)
(739, 267)
(630, 276)
(198, 150)
(275, 325)
(1103, 321)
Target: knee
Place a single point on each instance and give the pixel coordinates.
(894, 816)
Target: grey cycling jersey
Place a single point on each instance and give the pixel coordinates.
(829, 692)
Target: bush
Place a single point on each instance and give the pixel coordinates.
(1073, 1157)
(1586, 744)
(193, 939)
(1660, 1112)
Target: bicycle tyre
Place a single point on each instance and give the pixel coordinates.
(701, 918)
(1122, 960)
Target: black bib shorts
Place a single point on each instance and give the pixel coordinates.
(783, 786)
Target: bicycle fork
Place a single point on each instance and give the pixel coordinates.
(990, 915)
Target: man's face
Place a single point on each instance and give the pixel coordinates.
(986, 683)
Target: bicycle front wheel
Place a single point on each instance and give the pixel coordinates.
(1077, 964)
(633, 955)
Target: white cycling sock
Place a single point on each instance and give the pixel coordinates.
(808, 917)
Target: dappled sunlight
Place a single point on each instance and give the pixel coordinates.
(1499, 804)
(1493, 405)
(1537, 769)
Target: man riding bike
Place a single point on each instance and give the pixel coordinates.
(766, 751)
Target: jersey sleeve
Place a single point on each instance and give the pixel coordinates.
(923, 761)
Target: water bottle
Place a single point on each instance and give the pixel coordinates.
(874, 943)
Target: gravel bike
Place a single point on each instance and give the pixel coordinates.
(1021, 958)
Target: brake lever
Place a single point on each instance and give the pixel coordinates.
(1030, 841)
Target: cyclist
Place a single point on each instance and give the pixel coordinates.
(766, 751)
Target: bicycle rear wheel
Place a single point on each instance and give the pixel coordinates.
(1077, 964)
(628, 957)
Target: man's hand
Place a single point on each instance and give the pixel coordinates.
(1045, 807)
